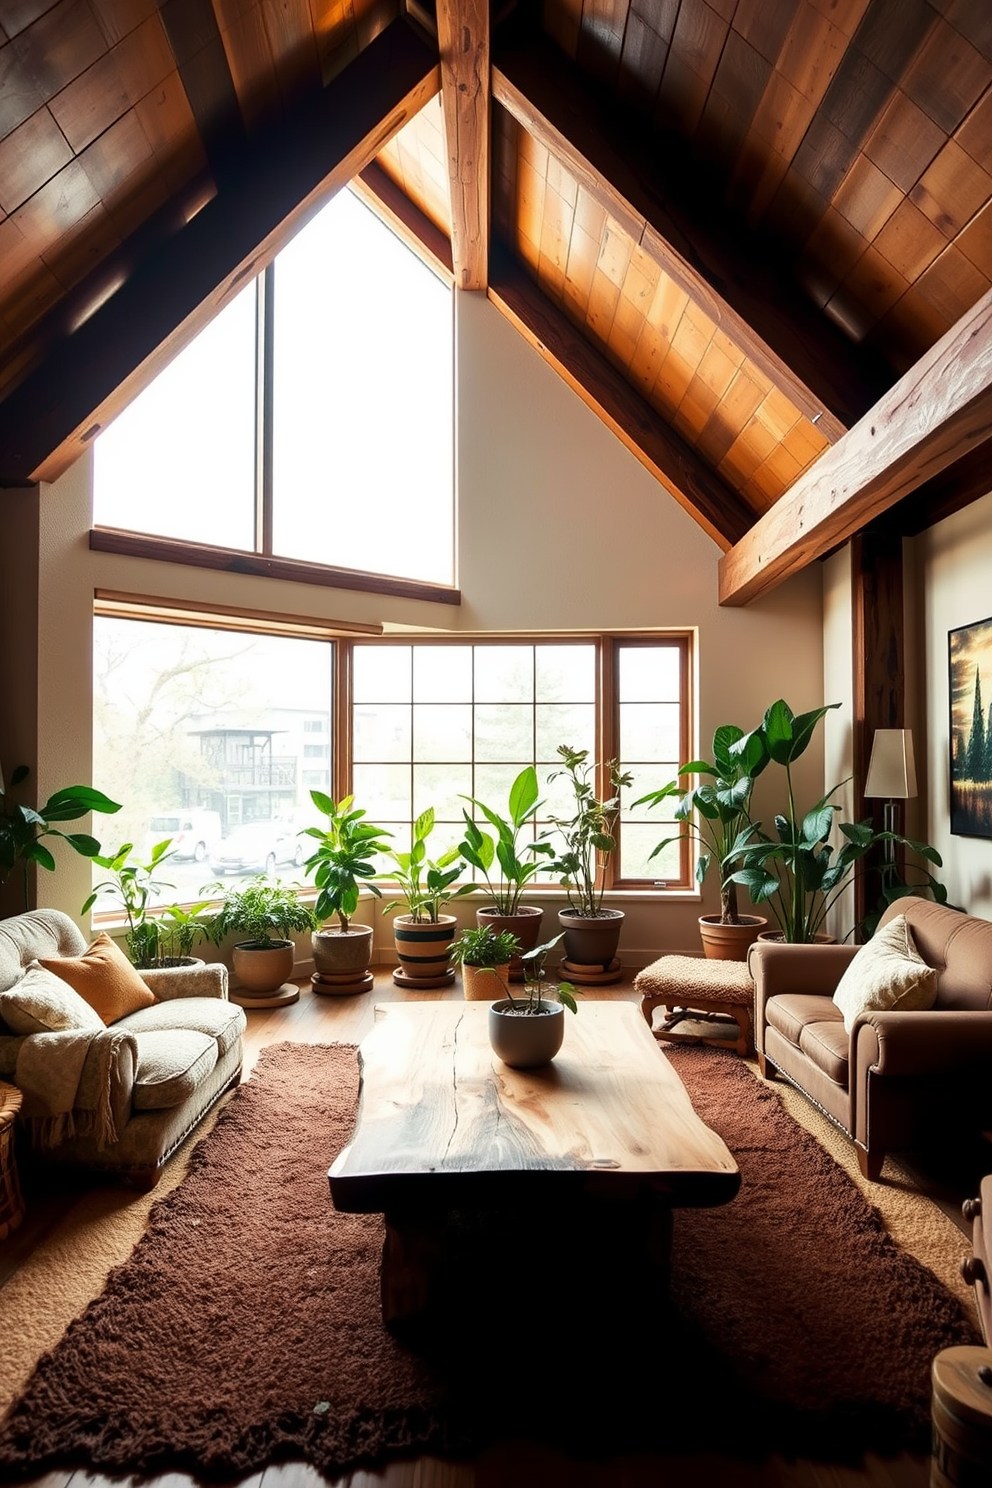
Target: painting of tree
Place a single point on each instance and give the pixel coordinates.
(970, 658)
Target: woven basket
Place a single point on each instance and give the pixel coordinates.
(11, 1203)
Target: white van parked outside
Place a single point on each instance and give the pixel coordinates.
(194, 832)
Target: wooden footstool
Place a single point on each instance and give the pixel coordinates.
(701, 990)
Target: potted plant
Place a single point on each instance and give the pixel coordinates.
(592, 932)
(343, 862)
(265, 913)
(717, 815)
(527, 1031)
(22, 827)
(133, 884)
(422, 933)
(515, 871)
(798, 874)
(484, 956)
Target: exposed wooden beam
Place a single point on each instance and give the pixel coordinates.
(935, 414)
(879, 676)
(198, 48)
(967, 480)
(463, 38)
(91, 371)
(720, 512)
(395, 208)
(725, 267)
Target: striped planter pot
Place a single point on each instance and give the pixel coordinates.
(424, 952)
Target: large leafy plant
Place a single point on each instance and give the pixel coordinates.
(798, 873)
(426, 886)
(482, 851)
(22, 827)
(132, 884)
(589, 833)
(344, 860)
(717, 811)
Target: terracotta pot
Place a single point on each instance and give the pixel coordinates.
(591, 940)
(424, 951)
(484, 984)
(341, 960)
(818, 939)
(525, 925)
(261, 969)
(729, 942)
(526, 1041)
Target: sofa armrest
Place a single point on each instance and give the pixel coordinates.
(170, 982)
(936, 1042)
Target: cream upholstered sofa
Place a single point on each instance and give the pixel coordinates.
(120, 1098)
(897, 1079)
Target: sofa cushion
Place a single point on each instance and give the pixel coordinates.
(887, 973)
(104, 977)
(224, 1021)
(790, 1012)
(827, 1045)
(171, 1064)
(42, 1003)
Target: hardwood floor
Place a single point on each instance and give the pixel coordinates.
(316, 1019)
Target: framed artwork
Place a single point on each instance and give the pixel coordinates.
(969, 653)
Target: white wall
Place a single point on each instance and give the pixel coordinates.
(953, 575)
(559, 527)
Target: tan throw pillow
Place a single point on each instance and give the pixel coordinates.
(41, 1003)
(103, 977)
(887, 973)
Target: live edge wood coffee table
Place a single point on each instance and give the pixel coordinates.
(480, 1169)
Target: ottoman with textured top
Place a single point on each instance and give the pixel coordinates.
(691, 988)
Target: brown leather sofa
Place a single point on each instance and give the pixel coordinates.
(977, 1269)
(900, 1080)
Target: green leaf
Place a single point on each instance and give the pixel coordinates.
(323, 803)
(38, 853)
(523, 796)
(424, 825)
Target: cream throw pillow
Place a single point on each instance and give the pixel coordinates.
(41, 1003)
(103, 977)
(887, 973)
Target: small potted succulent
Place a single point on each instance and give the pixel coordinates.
(484, 956)
(527, 1030)
(265, 913)
(424, 935)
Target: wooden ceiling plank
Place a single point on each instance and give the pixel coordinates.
(91, 371)
(463, 39)
(934, 415)
(707, 499)
(414, 226)
(777, 328)
(193, 33)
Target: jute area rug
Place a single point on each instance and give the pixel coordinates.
(245, 1327)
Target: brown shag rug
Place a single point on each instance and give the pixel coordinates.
(245, 1327)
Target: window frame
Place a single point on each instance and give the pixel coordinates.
(343, 638)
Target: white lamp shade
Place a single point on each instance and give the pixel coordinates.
(892, 768)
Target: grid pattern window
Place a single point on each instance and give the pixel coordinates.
(275, 415)
(201, 732)
(435, 724)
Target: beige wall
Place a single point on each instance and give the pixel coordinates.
(559, 526)
(953, 576)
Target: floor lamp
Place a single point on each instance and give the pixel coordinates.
(892, 775)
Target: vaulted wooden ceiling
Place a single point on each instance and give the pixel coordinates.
(756, 237)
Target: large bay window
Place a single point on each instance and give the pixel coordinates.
(236, 728)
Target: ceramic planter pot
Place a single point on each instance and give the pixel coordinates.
(484, 984)
(729, 942)
(341, 960)
(526, 1040)
(591, 940)
(423, 951)
(525, 925)
(263, 973)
